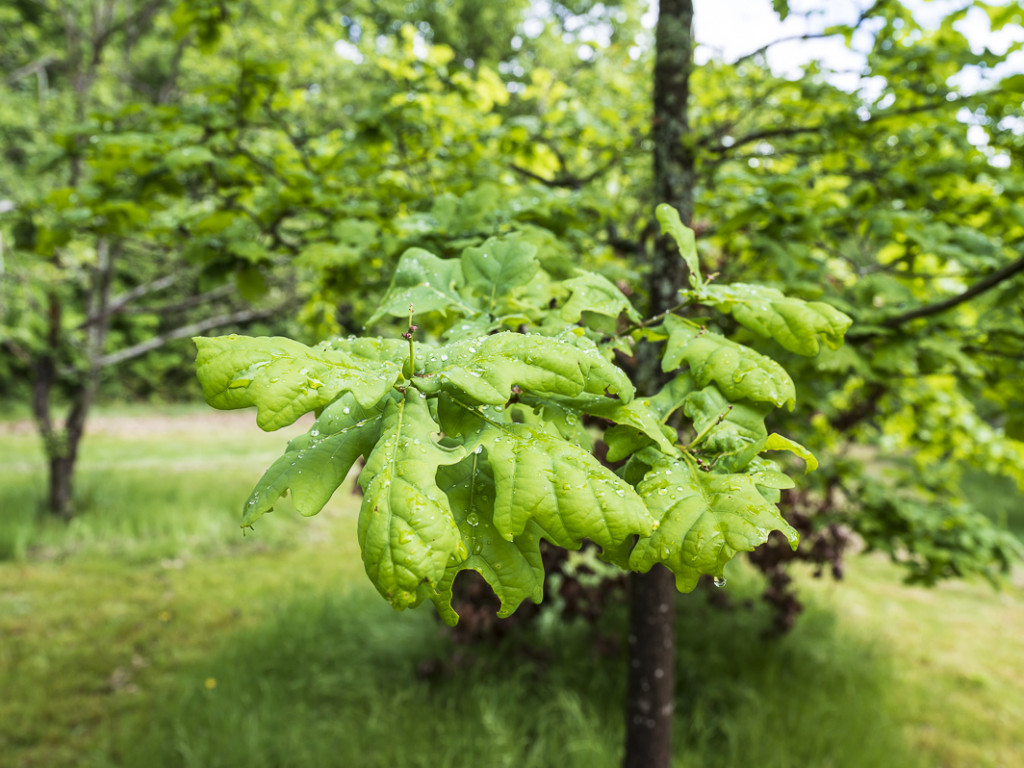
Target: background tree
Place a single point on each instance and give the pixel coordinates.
(97, 275)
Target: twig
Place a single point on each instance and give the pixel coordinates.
(242, 316)
(1000, 275)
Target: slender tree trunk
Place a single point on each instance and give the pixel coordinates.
(650, 693)
(59, 497)
(651, 683)
(61, 443)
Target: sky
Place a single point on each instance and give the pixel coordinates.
(728, 29)
(732, 28)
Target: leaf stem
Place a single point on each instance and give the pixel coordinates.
(704, 432)
(412, 351)
(640, 324)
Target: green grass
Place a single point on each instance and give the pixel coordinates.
(332, 680)
(150, 633)
(148, 484)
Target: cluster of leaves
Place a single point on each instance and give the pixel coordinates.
(476, 447)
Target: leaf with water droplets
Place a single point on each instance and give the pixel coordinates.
(630, 435)
(799, 326)
(591, 292)
(428, 283)
(407, 533)
(561, 488)
(740, 372)
(285, 379)
(704, 518)
(735, 432)
(317, 462)
(493, 270)
(673, 226)
(563, 420)
(373, 348)
(541, 479)
(512, 568)
(486, 369)
(765, 473)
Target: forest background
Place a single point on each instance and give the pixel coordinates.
(177, 168)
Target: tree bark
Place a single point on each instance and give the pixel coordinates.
(674, 167)
(650, 689)
(650, 692)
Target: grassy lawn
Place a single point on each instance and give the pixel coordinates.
(151, 633)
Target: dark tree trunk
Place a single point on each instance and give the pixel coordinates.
(59, 499)
(651, 683)
(61, 442)
(650, 695)
(674, 168)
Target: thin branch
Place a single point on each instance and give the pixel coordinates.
(864, 16)
(531, 175)
(235, 318)
(997, 277)
(790, 39)
(646, 323)
(773, 133)
(565, 180)
(105, 30)
(187, 303)
(119, 301)
(30, 69)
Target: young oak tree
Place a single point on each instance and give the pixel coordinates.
(478, 444)
(101, 183)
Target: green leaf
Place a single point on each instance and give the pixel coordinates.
(593, 293)
(469, 328)
(407, 533)
(493, 269)
(426, 282)
(765, 473)
(673, 226)
(704, 520)
(796, 324)
(628, 435)
(560, 487)
(777, 442)
(317, 462)
(513, 568)
(542, 479)
(374, 348)
(728, 428)
(283, 378)
(324, 256)
(565, 420)
(486, 369)
(740, 372)
(638, 416)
